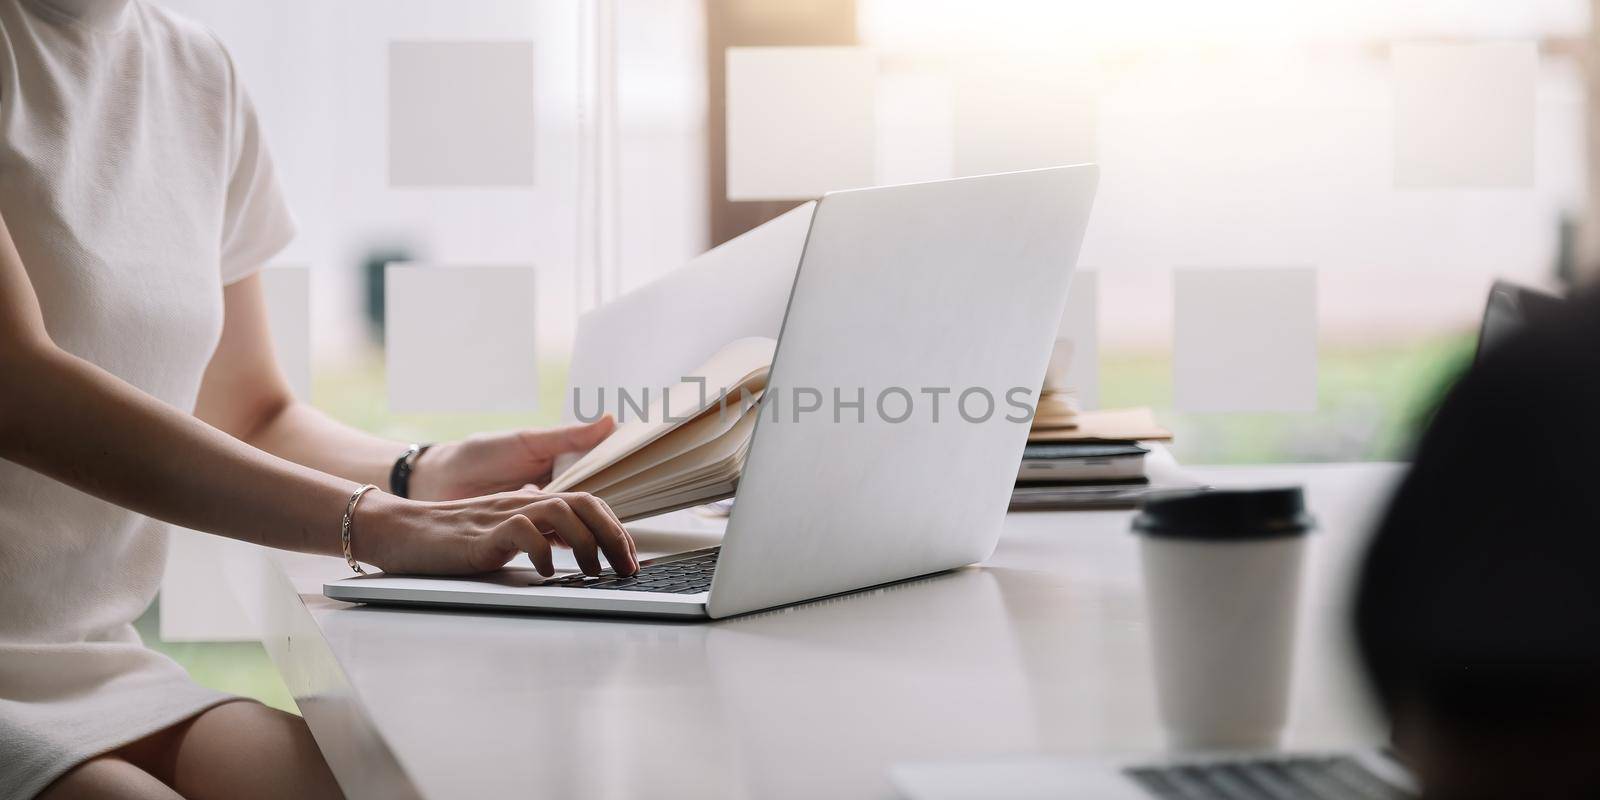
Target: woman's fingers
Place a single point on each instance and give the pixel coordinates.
(609, 534)
(521, 533)
(548, 443)
(575, 520)
(553, 513)
(633, 550)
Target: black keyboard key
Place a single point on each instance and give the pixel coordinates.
(1272, 778)
(1193, 782)
(1360, 781)
(1293, 778)
(1232, 781)
(1155, 782)
(1313, 778)
(684, 576)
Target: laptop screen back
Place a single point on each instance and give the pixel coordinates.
(1510, 307)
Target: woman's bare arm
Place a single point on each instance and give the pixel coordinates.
(75, 422)
(69, 419)
(244, 394)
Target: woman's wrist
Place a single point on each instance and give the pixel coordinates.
(428, 472)
(381, 526)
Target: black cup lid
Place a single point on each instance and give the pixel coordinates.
(1223, 514)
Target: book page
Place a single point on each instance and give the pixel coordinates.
(708, 459)
(743, 364)
(705, 428)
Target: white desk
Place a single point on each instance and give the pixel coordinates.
(1041, 649)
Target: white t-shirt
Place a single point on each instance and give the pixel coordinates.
(135, 183)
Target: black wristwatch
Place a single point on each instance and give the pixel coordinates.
(400, 475)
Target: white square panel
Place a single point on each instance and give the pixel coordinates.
(460, 339)
(1464, 114)
(1015, 114)
(915, 131)
(461, 114)
(800, 121)
(1080, 325)
(288, 297)
(1245, 340)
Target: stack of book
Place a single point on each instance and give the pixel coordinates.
(1057, 410)
(1091, 459)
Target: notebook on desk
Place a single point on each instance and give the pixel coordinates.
(1121, 484)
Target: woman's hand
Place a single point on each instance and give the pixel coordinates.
(480, 534)
(475, 505)
(489, 463)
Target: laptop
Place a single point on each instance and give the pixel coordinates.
(920, 323)
(1352, 775)
(1509, 309)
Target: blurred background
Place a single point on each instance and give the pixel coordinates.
(1401, 155)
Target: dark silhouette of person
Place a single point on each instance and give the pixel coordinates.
(1477, 609)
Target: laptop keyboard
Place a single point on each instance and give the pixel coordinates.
(690, 575)
(1290, 778)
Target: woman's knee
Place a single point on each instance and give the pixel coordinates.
(108, 777)
(245, 749)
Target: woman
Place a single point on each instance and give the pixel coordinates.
(137, 202)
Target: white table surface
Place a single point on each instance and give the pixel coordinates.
(1042, 649)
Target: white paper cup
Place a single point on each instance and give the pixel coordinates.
(1222, 583)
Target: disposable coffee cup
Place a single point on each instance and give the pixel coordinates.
(1222, 583)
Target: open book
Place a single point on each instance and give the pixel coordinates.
(689, 446)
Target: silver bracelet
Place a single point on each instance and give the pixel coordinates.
(344, 528)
